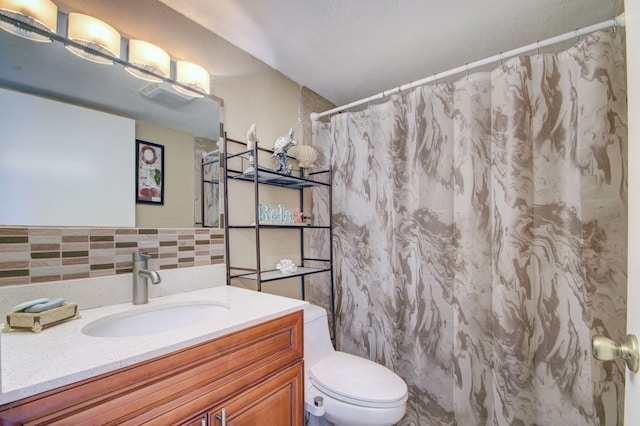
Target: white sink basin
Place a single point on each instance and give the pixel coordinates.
(154, 319)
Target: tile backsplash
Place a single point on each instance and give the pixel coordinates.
(38, 254)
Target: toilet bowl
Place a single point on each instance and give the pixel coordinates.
(345, 389)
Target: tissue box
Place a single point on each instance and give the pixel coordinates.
(37, 321)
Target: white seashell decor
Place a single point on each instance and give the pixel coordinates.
(286, 266)
(306, 155)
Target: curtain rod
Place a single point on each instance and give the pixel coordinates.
(613, 22)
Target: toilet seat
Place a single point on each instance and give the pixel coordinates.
(358, 381)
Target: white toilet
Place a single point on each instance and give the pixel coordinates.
(345, 389)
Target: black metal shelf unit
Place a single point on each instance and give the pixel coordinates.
(262, 176)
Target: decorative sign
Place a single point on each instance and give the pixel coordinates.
(278, 215)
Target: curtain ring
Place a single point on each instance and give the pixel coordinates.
(577, 32)
(615, 25)
(538, 48)
(500, 58)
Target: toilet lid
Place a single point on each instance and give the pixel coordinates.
(358, 381)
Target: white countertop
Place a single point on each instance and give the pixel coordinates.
(33, 363)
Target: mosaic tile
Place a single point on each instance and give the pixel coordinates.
(14, 239)
(14, 231)
(75, 253)
(126, 231)
(45, 278)
(101, 266)
(101, 273)
(45, 255)
(145, 245)
(163, 267)
(131, 244)
(75, 232)
(172, 231)
(29, 255)
(75, 276)
(75, 238)
(14, 265)
(101, 231)
(75, 261)
(45, 247)
(143, 231)
(74, 246)
(44, 268)
(75, 269)
(40, 263)
(14, 273)
(44, 232)
(23, 279)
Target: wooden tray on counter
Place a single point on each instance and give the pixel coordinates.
(37, 321)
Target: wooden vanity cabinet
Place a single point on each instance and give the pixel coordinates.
(255, 375)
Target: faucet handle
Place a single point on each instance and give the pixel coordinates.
(141, 256)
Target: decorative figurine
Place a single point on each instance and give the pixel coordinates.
(280, 149)
(252, 137)
(252, 142)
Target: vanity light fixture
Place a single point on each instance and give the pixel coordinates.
(41, 14)
(193, 76)
(95, 35)
(149, 57)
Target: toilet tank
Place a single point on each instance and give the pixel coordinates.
(317, 342)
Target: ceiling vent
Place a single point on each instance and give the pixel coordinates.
(163, 94)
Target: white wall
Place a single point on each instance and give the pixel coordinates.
(55, 155)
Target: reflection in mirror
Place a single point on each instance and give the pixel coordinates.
(210, 188)
(161, 114)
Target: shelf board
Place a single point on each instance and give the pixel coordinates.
(277, 275)
(272, 226)
(277, 179)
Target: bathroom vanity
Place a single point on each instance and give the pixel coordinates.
(231, 370)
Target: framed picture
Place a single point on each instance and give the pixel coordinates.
(149, 173)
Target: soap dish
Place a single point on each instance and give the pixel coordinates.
(37, 321)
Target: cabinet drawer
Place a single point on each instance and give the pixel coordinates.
(219, 369)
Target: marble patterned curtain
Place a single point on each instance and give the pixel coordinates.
(480, 238)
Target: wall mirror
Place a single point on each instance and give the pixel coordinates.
(49, 70)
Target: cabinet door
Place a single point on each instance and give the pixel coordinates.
(277, 401)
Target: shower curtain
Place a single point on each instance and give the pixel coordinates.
(480, 238)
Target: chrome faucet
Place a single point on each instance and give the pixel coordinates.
(141, 274)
